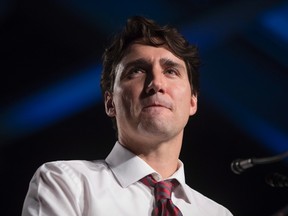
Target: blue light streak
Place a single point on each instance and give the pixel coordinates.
(48, 106)
(276, 21)
(273, 138)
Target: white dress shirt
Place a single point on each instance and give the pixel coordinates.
(107, 188)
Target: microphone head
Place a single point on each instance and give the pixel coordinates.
(240, 165)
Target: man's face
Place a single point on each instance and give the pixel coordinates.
(152, 96)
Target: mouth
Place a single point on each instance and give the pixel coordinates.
(156, 104)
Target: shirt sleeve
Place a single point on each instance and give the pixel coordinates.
(53, 191)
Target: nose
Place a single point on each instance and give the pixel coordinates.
(155, 83)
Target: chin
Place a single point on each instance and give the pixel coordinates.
(154, 128)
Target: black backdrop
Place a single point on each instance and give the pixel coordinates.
(44, 42)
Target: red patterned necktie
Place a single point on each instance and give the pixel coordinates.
(162, 192)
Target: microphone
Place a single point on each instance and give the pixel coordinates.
(240, 165)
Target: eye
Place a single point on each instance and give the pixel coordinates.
(135, 72)
(171, 71)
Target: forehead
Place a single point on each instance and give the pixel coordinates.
(150, 54)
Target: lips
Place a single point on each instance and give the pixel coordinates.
(157, 103)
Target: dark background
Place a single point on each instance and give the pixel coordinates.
(51, 108)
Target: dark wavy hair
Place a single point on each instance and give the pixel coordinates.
(148, 32)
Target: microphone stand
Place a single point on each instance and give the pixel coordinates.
(240, 165)
(274, 180)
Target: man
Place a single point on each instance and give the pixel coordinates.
(150, 87)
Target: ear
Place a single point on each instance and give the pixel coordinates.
(193, 103)
(109, 104)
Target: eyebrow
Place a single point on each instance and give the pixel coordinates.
(170, 63)
(140, 62)
(146, 62)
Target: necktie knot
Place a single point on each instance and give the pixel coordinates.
(162, 193)
(162, 189)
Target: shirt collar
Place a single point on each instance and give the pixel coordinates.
(128, 168)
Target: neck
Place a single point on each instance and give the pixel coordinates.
(165, 166)
(162, 156)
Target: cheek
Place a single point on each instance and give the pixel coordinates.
(123, 100)
(130, 91)
(183, 97)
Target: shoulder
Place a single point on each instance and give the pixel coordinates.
(74, 174)
(77, 165)
(63, 184)
(73, 169)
